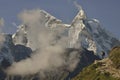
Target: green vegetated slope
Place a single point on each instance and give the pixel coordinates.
(106, 69)
(115, 57)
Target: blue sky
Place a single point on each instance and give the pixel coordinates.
(106, 11)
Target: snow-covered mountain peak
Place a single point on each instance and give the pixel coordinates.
(82, 32)
(89, 34)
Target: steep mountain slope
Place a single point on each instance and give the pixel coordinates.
(5, 48)
(106, 69)
(89, 34)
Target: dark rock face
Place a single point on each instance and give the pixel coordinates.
(21, 52)
(10, 53)
(5, 63)
(2, 75)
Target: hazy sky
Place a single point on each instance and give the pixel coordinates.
(106, 11)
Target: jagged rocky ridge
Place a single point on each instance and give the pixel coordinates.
(86, 37)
